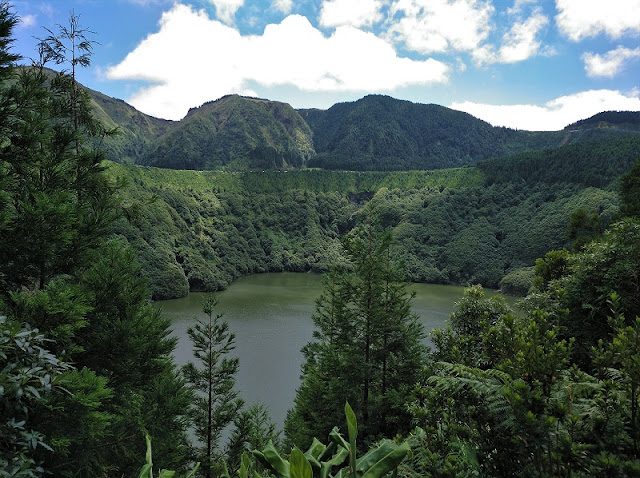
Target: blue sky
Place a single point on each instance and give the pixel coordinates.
(526, 64)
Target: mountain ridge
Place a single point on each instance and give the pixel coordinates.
(376, 132)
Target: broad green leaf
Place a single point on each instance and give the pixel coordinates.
(388, 463)
(352, 425)
(374, 455)
(316, 449)
(148, 458)
(299, 465)
(167, 474)
(225, 470)
(337, 438)
(273, 459)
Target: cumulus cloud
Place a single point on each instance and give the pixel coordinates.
(193, 59)
(518, 44)
(226, 9)
(579, 19)
(610, 64)
(555, 114)
(439, 26)
(349, 12)
(284, 6)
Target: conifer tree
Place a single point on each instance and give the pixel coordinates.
(216, 403)
(60, 273)
(367, 348)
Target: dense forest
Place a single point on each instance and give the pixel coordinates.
(201, 230)
(88, 385)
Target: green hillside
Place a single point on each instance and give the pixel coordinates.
(201, 230)
(137, 132)
(376, 133)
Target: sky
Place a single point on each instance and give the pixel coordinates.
(525, 64)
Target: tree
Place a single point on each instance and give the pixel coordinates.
(367, 348)
(61, 274)
(253, 430)
(630, 191)
(216, 403)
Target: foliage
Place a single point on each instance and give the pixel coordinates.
(518, 282)
(215, 402)
(147, 469)
(201, 230)
(29, 373)
(61, 273)
(629, 192)
(605, 266)
(319, 460)
(234, 132)
(253, 429)
(366, 349)
(528, 411)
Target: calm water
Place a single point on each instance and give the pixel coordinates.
(271, 317)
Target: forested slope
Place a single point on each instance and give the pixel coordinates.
(201, 230)
(235, 132)
(375, 133)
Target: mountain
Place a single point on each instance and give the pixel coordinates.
(382, 133)
(237, 132)
(376, 133)
(137, 132)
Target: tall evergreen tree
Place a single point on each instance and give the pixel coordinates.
(60, 273)
(216, 403)
(367, 348)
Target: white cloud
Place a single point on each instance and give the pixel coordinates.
(193, 59)
(518, 6)
(284, 6)
(226, 9)
(27, 21)
(579, 19)
(520, 42)
(610, 64)
(439, 26)
(349, 12)
(555, 114)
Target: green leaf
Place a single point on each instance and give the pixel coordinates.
(374, 455)
(352, 425)
(147, 457)
(193, 472)
(337, 438)
(273, 459)
(167, 474)
(388, 463)
(299, 465)
(145, 471)
(336, 460)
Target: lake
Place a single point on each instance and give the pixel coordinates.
(271, 317)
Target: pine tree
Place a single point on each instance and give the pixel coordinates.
(367, 348)
(59, 272)
(216, 403)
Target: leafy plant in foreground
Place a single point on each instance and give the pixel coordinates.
(320, 460)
